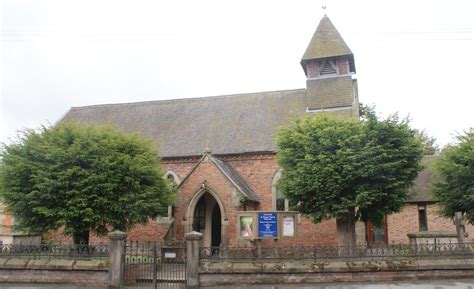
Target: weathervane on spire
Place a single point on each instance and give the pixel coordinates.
(324, 8)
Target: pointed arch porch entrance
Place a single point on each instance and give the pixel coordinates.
(206, 214)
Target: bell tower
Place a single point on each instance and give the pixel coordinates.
(328, 64)
(327, 54)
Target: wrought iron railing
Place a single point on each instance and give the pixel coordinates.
(418, 251)
(57, 251)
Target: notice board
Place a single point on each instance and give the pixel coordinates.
(268, 225)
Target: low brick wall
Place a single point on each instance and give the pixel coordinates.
(310, 271)
(93, 274)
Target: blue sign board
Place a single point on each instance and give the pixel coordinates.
(267, 225)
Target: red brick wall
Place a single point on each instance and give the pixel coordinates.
(400, 224)
(153, 231)
(437, 222)
(343, 65)
(256, 170)
(312, 69)
(181, 167)
(6, 221)
(209, 174)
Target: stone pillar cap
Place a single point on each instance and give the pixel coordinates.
(193, 236)
(117, 235)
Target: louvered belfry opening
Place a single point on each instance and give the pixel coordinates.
(328, 67)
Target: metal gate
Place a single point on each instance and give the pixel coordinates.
(154, 265)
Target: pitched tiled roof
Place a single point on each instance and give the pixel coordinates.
(326, 42)
(229, 124)
(185, 127)
(226, 124)
(236, 179)
(422, 189)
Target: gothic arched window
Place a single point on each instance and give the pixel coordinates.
(280, 203)
(173, 180)
(170, 178)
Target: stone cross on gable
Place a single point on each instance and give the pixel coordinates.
(460, 226)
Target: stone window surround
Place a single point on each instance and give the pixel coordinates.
(275, 179)
(177, 181)
(422, 217)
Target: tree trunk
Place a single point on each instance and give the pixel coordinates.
(81, 237)
(346, 235)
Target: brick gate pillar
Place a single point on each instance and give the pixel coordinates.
(192, 259)
(116, 251)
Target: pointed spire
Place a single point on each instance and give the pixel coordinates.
(326, 42)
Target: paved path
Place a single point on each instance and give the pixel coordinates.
(438, 284)
(41, 286)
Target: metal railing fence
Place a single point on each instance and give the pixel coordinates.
(418, 251)
(55, 251)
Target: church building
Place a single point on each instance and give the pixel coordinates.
(221, 152)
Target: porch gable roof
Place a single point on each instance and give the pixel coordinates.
(231, 175)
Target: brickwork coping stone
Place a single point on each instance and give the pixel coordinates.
(117, 235)
(54, 264)
(433, 234)
(328, 266)
(310, 271)
(15, 263)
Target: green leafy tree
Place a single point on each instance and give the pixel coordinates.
(428, 142)
(81, 177)
(348, 169)
(455, 171)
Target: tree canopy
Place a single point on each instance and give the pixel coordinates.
(348, 169)
(428, 142)
(81, 177)
(455, 177)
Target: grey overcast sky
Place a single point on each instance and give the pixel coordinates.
(412, 57)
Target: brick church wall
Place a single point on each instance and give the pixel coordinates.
(258, 171)
(402, 223)
(209, 174)
(312, 69)
(406, 221)
(6, 220)
(343, 65)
